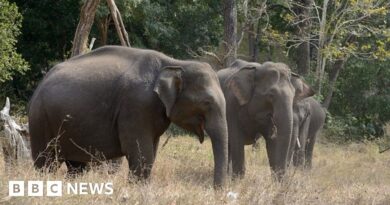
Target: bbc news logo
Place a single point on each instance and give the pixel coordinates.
(56, 188)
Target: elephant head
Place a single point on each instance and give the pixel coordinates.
(302, 90)
(267, 94)
(300, 114)
(193, 99)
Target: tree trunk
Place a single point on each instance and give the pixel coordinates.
(87, 16)
(251, 42)
(334, 73)
(257, 42)
(230, 31)
(103, 25)
(302, 56)
(120, 27)
(321, 59)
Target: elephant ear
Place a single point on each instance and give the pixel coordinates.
(168, 85)
(268, 78)
(302, 90)
(242, 84)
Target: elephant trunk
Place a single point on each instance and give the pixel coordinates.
(216, 128)
(278, 147)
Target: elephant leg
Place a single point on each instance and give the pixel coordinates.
(236, 154)
(309, 152)
(299, 152)
(155, 146)
(299, 158)
(75, 168)
(299, 155)
(141, 162)
(47, 161)
(238, 160)
(140, 159)
(43, 151)
(114, 165)
(292, 150)
(229, 171)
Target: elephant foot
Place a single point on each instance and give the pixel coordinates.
(133, 178)
(138, 174)
(47, 163)
(238, 176)
(114, 165)
(307, 166)
(75, 168)
(279, 175)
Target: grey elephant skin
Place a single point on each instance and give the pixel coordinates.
(259, 101)
(309, 118)
(117, 101)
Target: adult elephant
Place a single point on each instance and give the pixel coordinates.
(259, 99)
(118, 101)
(309, 118)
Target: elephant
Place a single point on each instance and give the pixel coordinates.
(117, 101)
(259, 101)
(309, 118)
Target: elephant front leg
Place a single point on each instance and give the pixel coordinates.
(237, 156)
(309, 151)
(140, 157)
(75, 168)
(299, 153)
(299, 156)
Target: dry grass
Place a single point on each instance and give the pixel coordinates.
(353, 174)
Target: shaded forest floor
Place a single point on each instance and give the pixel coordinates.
(341, 174)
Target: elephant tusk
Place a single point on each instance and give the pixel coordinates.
(274, 128)
(298, 143)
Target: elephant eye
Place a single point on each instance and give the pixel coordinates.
(207, 103)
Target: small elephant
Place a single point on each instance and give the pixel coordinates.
(309, 118)
(117, 101)
(259, 101)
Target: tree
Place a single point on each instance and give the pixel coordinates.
(46, 38)
(343, 33)
(230, 31)
(11, 62)
(302, 31)
(87, 16)
(120, 27)
(253, 20)
(362, 97)
(341, 29)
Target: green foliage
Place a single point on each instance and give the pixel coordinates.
(11, 62)
(175, 27)
(362, 20)
(362, 98)
(47, 32)
(354, 29)
(170, 27)
(174, 130)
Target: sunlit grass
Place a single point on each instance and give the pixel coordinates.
(341, 174)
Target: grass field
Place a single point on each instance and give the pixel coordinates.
(341, 174)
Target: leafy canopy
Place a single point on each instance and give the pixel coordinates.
(11, 62)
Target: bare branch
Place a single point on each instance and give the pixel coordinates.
(120, 28)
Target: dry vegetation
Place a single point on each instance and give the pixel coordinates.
(348, 174)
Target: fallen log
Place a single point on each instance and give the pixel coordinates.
(14, 139)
